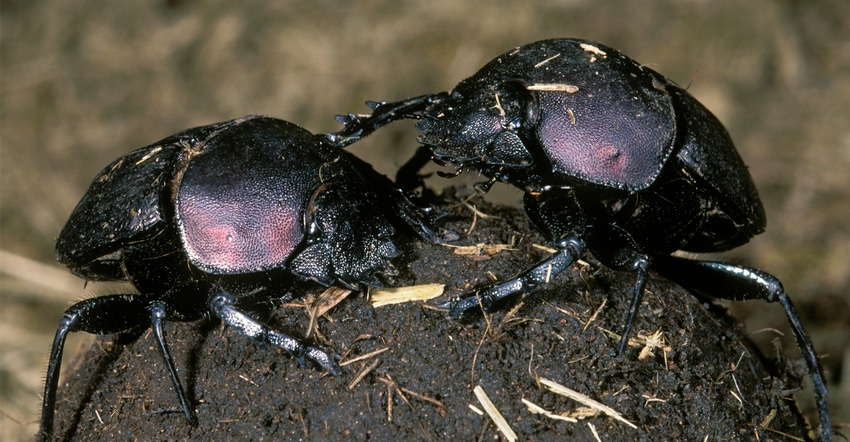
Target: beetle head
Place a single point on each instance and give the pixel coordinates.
(479, 130)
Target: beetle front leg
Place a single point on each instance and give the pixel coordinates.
(739, 283)
(642, 269)
(383, 113)
(541, 273)
(393, 199)
(558, 214)
(223, 306)
(407, 178)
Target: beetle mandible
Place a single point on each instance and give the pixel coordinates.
(614, 159)
(221, 215)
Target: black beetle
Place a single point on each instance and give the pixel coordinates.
(221, 215)
(614, 159)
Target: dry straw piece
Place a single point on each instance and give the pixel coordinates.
(494, 414)
(576, 396)
(398, 295)
(536, 409)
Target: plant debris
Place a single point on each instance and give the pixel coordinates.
(494, 414)
(398, 295)
(576, 396)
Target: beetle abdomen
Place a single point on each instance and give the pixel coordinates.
(121, 206)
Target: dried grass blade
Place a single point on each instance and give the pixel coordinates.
(576, 396)
(494, 414)
(398, 295)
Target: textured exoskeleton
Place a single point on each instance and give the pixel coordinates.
(614, 159)
(223, 215)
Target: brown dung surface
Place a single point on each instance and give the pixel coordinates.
(702, 380)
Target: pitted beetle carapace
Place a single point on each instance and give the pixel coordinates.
(614, 159)
(222, 215)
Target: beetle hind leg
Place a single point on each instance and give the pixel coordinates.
(100, 315)
(158, 314)
(740, 283)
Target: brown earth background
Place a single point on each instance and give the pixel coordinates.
(83, 83)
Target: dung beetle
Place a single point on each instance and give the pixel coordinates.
(223, 216)
(614, 159)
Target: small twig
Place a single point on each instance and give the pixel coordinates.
(494, 414)
(509, 316)
(478, 348)
(766, 329)
(244, 378)
(616, 337)
(620, 390)
(323, 303)
(737, 364)
(553, 87)
(423, 397)
(656, 340)
(303, 424)
(536, 409)
(363, 374)
(480, 249)
(576, 396)
(768, 419)
(593, 430)
(564, 311)
(394, 384)
(389, 403)
(735, 381)
(547, 60)
(649, 399)
(735, 395)
(368, 401)
(475, 212)
(544, 248)
(362, 357)
(789, 436)
(596, 313)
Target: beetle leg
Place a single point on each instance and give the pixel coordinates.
(541, 273)
(383, 113)
(739, 283)
(101, 315)
(641, 267)
(557, 212)
(157, 315)
(223, 306)
(419, 219)
(396, 202)
(407, 178)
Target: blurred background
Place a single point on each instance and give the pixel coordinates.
(83, 83)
